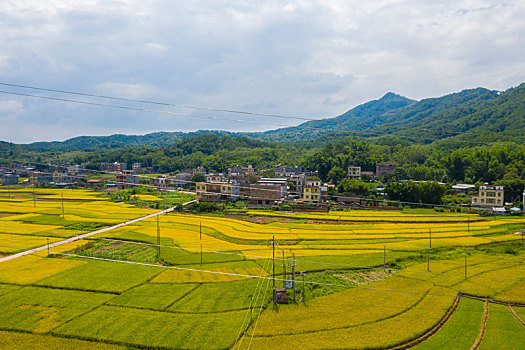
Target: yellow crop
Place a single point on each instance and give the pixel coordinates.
(29, 269)
(382, 333)
(349, 308)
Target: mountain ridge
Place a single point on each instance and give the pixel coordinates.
(471, 114)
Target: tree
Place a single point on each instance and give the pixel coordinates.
(199, 177)
(355, 187)
(335, 175)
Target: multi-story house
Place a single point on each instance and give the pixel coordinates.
(126, 179)
(296, 184)
(383, 169)
(215, 177)
(182, 179)
(264, 194)
(238, 170)
(38, 178)
(10, 179)
(354, 172)
(489, 196)
(315, 191)
(161, 182)
(113, 167)
(217, 191)
(63, 177)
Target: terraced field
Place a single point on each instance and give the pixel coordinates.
(369, 278)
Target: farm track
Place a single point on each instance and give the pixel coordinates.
(433, 330)
(482, 327)
(516, 315)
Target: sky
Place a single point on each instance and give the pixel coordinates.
(309, 59)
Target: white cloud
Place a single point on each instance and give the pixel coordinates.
(299, 58)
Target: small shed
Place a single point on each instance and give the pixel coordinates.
(281, 295)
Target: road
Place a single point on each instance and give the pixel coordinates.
(84, 235)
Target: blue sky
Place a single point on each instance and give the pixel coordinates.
(313, 59)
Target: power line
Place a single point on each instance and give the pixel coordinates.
(217, 109)
(356, 132)
(239, 254)
(248, 276)
(267, 258)
(138, 109)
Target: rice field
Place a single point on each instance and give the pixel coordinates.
(367, 280)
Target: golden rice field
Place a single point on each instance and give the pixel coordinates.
(370, 279)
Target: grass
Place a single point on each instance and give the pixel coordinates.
(6, 288)
(226, 296)
(520, 311)
(23, 341)
(154, 296)
(156, 328)
(461, 329)
(42, 309)
(102, 276)
(503, 330)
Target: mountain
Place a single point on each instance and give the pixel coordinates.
(473, 115)
(470, 115)
(90, 143)
(358, 118)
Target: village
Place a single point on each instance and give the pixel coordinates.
(281, 184)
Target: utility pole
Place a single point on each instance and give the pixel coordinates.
(63, 217)
(468, 225)
(251, 308)
(34, 198)
(48, 247)
(200, 237)
(384, 258)
(465, 267)
(158, 238)
(284, 272)
(303, 293)
(430, 238)
(293, 276)
(273, 267)
(428, 259)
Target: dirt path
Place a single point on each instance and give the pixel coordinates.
(516, 315)
(482, 327)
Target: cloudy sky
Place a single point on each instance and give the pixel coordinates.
(313, 59)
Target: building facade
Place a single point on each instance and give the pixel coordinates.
(38, 178)
(489, 196)
(126, 179)
(10, 179)
(314, 191)
(113, 167)
(354, 172)
(383, 169)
